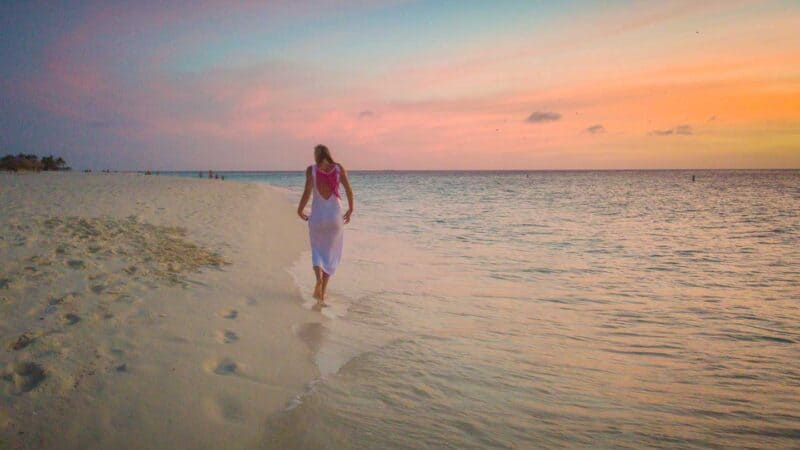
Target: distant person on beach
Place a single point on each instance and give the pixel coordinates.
(326, 222)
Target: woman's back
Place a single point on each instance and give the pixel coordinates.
(326, 181)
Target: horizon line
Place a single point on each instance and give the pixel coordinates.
(454, 170)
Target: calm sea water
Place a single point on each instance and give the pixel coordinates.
(557, 309)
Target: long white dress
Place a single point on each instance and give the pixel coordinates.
(325, 228)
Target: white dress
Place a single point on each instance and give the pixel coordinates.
(325, 228)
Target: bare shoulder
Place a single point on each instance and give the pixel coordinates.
(341, 167)
(308, 171)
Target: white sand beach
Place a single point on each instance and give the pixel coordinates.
(146, 311)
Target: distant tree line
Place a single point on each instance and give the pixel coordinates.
(32, 162)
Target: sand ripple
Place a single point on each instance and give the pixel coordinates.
(161, 251)
(72, 268)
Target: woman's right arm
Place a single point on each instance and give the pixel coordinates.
(306, 194)
(349, 191)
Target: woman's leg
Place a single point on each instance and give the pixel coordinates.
(318, 286)
(325, 278)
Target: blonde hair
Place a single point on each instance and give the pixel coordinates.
(321, 153)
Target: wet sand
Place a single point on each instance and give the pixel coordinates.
(146, 312)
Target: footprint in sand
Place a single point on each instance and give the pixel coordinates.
(227, 336)
(69, 298)
(26, 375)
(103, 314)
(230, 314)
(224, 366)
(21, 342)
(71, 319)
(98, 288)
(312, 333)
(226, 408)
(76, 264)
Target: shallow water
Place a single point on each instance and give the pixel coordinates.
(558, 309)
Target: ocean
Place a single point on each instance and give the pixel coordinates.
(552, 309)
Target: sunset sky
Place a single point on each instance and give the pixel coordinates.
(403, 84)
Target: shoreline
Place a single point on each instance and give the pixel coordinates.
(159, 310)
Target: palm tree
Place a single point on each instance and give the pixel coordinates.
(31, 162)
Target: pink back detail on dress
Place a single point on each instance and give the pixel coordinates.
(330, 178)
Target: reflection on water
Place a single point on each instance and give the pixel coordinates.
(560, 309)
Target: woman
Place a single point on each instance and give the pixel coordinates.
(326, 222)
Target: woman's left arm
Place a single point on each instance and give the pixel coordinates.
(349, 191)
